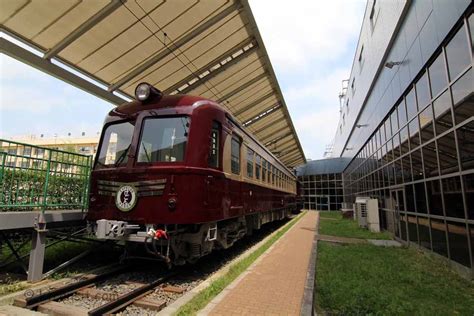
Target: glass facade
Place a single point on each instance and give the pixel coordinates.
(322, 192)
(419, 163)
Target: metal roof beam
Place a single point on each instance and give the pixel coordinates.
(176, 45)
(277, 131)
(213, 73)
(277, 139)
(23, 55)
(242, 87)
(261, 129)
(285, 142)
(286, 150)
(293, 160)
(267, 112)
(292, 157)
(84, 27)
(254, 103)
(208, 67)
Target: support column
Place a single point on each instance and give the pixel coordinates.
(35, 266)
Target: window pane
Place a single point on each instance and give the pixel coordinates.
(458, 246)
(430, 160)
(471, 28)
(402, 114)
(420, 196)
(423, 91)
(465, 136)
(438, 75)
(438, 232)
(412, 109)
(115, 144)
(448, 157)
(457, 53)
(426, 124)
(249, 163)
(464, 108)
(469, 193)
(434, 197)
(257, 167)
(442, 112)
(424, 232)
(453, 200)
(394, 122)
(417, 166)
(414, 135)
(235, 156)
(412, 229)
(163, 139)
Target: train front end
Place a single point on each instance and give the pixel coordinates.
(145, 186)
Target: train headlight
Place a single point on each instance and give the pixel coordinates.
(145, 90)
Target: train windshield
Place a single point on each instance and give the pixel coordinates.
(115, 145)
(163, 139)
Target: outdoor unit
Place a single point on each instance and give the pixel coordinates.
(367, 213)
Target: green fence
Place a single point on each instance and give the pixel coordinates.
(38, 178)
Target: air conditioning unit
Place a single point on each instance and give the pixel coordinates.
(367, 213)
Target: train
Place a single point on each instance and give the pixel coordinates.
(180, 175)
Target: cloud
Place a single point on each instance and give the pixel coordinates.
(311, 45)
(297, 32)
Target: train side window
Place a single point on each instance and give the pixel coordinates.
(258, 161)
(235, 155)
(264, 169)
(249, 163)
(213, 160)
(273, 174)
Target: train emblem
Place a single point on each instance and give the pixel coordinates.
(126, 198)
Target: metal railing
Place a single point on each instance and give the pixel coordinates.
(39, 178)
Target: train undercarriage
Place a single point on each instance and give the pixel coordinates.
(180, 244)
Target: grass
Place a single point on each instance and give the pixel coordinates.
(332, 223)
(12, 276)
(366, 279)
(199, 301)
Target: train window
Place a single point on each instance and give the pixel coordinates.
(115, 144)
(235, 155)
(213, 159)
(163, 139)
(258, 161)
(264, 169)
(273, 175)
(249, 163)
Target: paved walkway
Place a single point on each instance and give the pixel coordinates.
(275, 283)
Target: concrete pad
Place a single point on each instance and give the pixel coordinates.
(384, 243)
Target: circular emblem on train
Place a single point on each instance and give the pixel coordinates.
(126, 198)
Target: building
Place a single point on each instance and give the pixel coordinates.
(322, 183)
(407, 123)
(84, 144)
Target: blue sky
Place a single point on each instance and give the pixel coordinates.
(311, 45)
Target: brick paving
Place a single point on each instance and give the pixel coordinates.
(275, 284)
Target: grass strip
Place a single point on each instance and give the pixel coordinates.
(199, 301)
(369, 280)
(332, 223)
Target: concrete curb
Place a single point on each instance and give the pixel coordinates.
(308, 304)
(173, 307)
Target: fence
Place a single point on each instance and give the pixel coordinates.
(38, 178)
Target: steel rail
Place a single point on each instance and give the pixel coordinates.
(61, 292)
(129, 298)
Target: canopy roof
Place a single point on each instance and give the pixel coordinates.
(207, 48)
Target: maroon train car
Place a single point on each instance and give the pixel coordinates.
(180, 175)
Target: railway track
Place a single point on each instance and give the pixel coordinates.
(55, 300)
(135, 289)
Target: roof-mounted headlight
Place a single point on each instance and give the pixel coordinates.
(145, 91)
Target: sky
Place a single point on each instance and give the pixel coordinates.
(311, 44)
